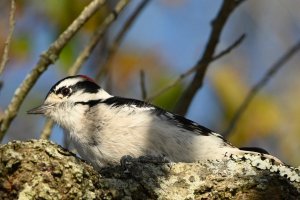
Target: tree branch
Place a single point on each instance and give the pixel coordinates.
(98, 36)
(230, 48)
(47, 129)
(12, 23)
(261, 83)
(193, 69)
(119, 38)
(46, 58)
(40, 169)
(85, 54)
(218, 23)
(143, 85)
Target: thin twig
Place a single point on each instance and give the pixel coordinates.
(261, 83)
(120, 37)
(143, 84)
(193, 69)
(218, 23)
(47, 129)
(85, 54)
(47, 58)
(12, 23)
(230, 48)
(98, 35)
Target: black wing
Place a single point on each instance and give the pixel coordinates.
(175, 119)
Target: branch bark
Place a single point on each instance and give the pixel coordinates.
(195, 68)
(227, 7)
(47, 58)
(98, 36)
(261, 83)
(143, 85)
(119, 38)
(39, 169)
(12, 23)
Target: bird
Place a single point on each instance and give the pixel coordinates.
(104, 128)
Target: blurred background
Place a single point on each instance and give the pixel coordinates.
(166, 40)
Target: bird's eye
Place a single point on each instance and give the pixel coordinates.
(65, 91)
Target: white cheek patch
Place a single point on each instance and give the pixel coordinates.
(53, 98)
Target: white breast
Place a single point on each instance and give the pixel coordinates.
(136, 132)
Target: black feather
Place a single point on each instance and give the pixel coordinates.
(120, 101)
(175, 119)
(90, 103)
(87, 86)
(254, 149)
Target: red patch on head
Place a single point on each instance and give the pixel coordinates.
(87, 78)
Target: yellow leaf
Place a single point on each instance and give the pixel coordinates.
(127, 64)
(260, 118)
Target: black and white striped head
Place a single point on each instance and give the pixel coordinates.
(69, 91)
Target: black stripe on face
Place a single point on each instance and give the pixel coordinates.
(90, 103)
(84, 86)
(87, 87)
(52, 90)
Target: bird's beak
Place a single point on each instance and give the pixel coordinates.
(42, 109)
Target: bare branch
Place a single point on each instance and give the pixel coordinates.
(119, 38)
(86, 52)
(98, 35)
(143, 85)
(193, 69)
(261, 83)
(46, 131)
(46, 58)
(230, 48)
(218, 23)
(12, 23)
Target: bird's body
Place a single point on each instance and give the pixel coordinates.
(137, 131)
(105, 128)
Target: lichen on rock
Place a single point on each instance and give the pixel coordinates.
(40, 169)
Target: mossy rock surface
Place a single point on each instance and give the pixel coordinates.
(40, 169)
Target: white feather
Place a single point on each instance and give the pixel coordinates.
(104, 133)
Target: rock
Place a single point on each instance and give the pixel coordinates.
(40, 169)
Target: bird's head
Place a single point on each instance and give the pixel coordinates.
(66, 93)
